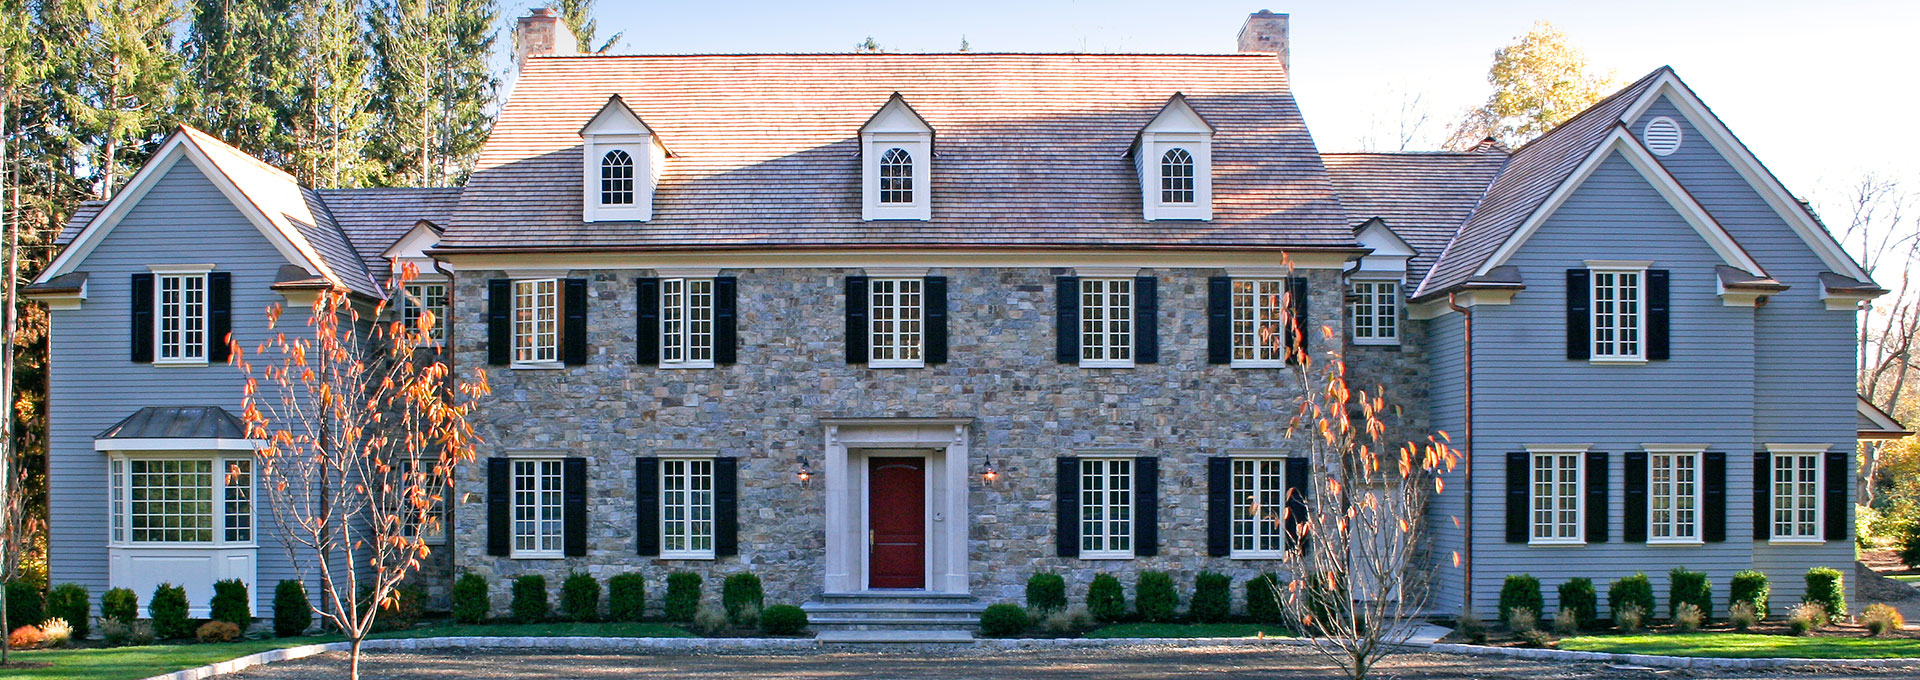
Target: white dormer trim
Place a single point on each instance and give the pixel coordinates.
(617, 128)
(412, 249)
(896, 126)
(1177, 126)
(1390, 252)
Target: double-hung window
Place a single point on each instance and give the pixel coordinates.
(1673, 497)
(895, 313)
(536, 322)
(1376, 312)
(175, 500)
(539, 527)
(1106, 323)
(686, 508)
(686, 323)
(1555, 495)
(1259, 498)
(1259, 322)
(1619, 314)
(430, 525)
(1796, 495)
(180, 318)
(423, 299)
(1106, 508)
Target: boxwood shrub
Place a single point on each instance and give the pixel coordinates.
(1212, 597)
(120, 604)
(1689, 587)
(1635, 590)
(740, 594)
(1106, 599)
(26, 604)
(580, 597)
(781, 619)
(1263, 598)
(291, 614)
(627, 597)
(1003, 620)
(1749, 586)
(231, 604)
(168, 608)
(1521, 591)
(1155, 597)
(683, 596)
(1577, 595)
(470, 603)
(1824, 588)
(1046, 593)
(530, 599)
(70, 602)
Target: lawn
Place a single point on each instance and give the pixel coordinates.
(1188, 630)
(1734, 645)
(1909, 578)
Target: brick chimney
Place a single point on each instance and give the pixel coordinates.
(1265, 32)
(541, 33)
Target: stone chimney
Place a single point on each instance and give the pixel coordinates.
(542, 33)
(1264, 32)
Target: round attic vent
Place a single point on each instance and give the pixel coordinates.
(1661, 135)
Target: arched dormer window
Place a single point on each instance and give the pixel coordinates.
(616, 178)
(896, 176)
(1176, 176)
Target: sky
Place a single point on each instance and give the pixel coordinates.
(1822, 92)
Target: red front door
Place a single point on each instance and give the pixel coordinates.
(897, 515)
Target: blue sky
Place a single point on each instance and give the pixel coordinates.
(1821, 91)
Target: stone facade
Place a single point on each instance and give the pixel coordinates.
(765, 410)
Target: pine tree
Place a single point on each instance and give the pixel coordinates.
(240, 74)
(118, 80)
(329, 111)
(578, 16)
(433, 87)
(465, 86)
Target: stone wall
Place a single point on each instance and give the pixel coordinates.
(1400, 374)
(765, 410)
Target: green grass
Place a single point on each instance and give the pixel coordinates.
(635, 630)
(1739, 646)
(1188, 630)
(1909, 578)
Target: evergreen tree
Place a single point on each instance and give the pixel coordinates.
(117, 80)
(433, 88)
(240, 74)
(578, 16)
(329, 112)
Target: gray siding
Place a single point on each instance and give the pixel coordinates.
(1447, 387)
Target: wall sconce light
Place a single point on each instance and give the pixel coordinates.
(806, 471)
(989, 472)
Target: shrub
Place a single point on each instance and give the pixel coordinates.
(739, 593)
(709, 619)
(1635, 591)
(1824, 589)
(749, 615)
(25, 637)
(1566, 621)
(1881, 618)
(405, 606)
(1741, 615)
(627, 597)
(1105, 598)
(1263, 598)
(683, 595)
(1520, 591)
(783, 619)
(120, 604)
(1536, 638)
(231, 604)
(26, 604)
(1910, 546)
(1469, 624)
(69, 601)
(580, 597)
(1577, 596)
(1807, 617)
(1522, 619)
(1212, 597)
(217, 631)
(1046, 593)
(1689, 587)
(1751, 587)
(1630, 618)
(56, 632)
(1003, 620)
(291, 612)
(1688, 618)
(530, 599)
(1155, 597)
(470, 604)
(1067, 621)
(119, 633)
(168, 609)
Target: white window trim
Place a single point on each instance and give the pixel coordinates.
(1639, 270)
(1534, 453)
(1818, 451)
(1107, 320)
(122, 506)
(1379, 340)
(713, 504)
(1133, 521)
(686, 333)
(1200, 147)
(647, 155)
(513, 507)
(872, 320)
(441, 511)
(444, 320)
(1698, 451)
(558, 323)
(202, 271)
(918, 147)
(1234, 505)
(1233, 305)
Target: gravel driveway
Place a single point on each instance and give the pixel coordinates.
(1214, 663)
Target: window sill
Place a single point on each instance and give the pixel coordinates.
(896, 364)
(1252, 555)
(687, 364)
(1557, 542)
(1377, 342)
(553, 555)
(1796, 541)
(1618, 362)
(1676, 542)
(1257, 363)
(1106, 555)
(537, 366)
(209, 545)
(157, 363)
(686, 555)
(1106, 364)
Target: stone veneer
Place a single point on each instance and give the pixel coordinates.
(765, 410)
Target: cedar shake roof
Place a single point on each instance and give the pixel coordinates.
(373, 219)
(1032, 152)
(1423, 197)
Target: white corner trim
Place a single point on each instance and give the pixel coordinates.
(1797, 448)
(178, 444)
(1558, 448)
(1673, 448)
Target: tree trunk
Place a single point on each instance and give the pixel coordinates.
(353, 659)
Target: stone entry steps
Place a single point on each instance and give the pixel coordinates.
(894, 617)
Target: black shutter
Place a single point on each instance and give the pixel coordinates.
(1579, 314)
(1517, 496)
(1299, 324)
(219, 315)
(1657, 313)
(726, 321)
(646, 506)
(1762, 498)
(1599, 504)
(1836, 500)
(499, 321)
(573, 505)
(142, 318)
(726, 506)
(1296, 512)
(1634, 499)
(1066, 506)
(1219, 320)
(499, 507)
(573, 329)
(1219, 506)
(1146, 320)
(647, 312)
(856, 319)
(1146, 506)
(1713, 493)
(1066, 320)
(933, 294)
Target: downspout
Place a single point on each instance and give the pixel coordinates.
(1466, 444)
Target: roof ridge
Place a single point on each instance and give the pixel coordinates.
(1593, 108)
(1479, 200)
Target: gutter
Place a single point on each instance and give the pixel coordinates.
(1466, 441)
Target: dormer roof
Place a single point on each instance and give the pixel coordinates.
(616, 118)
(1175, 116)
(896, 116)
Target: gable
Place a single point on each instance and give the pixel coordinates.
(182, 219)
(896, 117)
(1179, 116)
(1615, 214)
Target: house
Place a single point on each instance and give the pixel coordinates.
(895, 331)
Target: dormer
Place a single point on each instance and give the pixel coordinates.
(1174, 155)
(621, 161)
(1390, 252)
(896, 162)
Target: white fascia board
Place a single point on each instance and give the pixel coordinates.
(178, 444)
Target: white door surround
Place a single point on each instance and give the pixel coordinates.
(944, 443)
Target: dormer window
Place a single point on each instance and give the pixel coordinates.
(1174, 155)
(621, 162)
(616, 178)
(896, 152)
